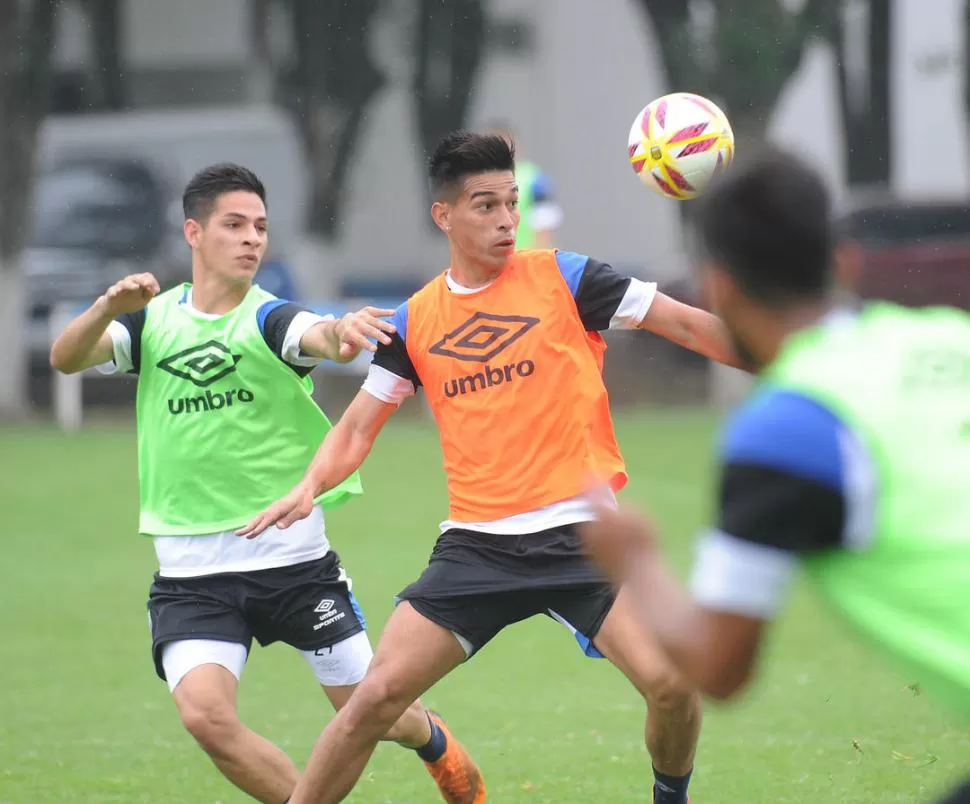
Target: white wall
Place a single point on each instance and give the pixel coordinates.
(572, 103)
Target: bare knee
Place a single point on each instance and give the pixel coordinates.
(668, 692)
(380, 699)
(211, 721)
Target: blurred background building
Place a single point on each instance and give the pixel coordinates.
(108, 106)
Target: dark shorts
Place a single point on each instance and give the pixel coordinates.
(958, 796)
(309, 606)
(478, 583)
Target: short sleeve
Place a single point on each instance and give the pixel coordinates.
(283, 325)
(393, 357)
(125, 333)
(605, 298)
(794, 481)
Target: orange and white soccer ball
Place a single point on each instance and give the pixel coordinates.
(678, 143)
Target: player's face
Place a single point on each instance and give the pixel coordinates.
(482, 221)
(231, 243)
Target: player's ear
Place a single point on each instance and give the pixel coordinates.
(441, 215)
(192, 230)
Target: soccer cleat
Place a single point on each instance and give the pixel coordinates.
(458, 778)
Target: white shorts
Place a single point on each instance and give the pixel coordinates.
(340, 665)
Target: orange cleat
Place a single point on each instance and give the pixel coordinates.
(456, 774)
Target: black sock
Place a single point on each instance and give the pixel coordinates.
(434, 749)
(670, 789)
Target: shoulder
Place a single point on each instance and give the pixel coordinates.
(785, 430)
(572, 266)
(427, 296)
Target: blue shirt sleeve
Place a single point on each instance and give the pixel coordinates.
(394, 357)
(273, 319)
(789, 432)
(793, 475)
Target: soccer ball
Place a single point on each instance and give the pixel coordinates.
(678, 143)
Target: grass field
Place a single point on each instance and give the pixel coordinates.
(84, 719)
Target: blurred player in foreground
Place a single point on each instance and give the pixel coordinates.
(225, 420)
(502, 344)
(852, 457)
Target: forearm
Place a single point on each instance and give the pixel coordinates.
(342, 453)
(715, 652)
(692, 328)
(74, 349)
(709, 337)
(664, 609)
(705, 334)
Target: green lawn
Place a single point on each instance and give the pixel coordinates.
(84, 719)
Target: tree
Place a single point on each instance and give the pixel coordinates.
(26, 37)
(106, 70)
(749, 49)
(331, 84)
(448, 53)
(865, 97)
(741, 53)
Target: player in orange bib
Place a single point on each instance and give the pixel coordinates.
(507, 348)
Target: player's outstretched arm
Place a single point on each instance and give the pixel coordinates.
(715, 651)
(342, 452)
(85, 342)
(343, 339)
(691, 328)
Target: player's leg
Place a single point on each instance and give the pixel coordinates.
(412, 655)
(673, 710)
(205, 696)
(200, 642)
(341, 667)
(312, 608)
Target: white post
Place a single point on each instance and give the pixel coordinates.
(66, 389)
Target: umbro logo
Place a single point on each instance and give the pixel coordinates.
(329, 612)
(479, 340)
(483, 336)
(201, 365)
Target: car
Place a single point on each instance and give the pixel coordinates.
(915, 253)
(94, 219)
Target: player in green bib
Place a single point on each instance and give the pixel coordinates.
(851, 457)
(540, 215)
(226, 422)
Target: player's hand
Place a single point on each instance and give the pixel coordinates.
(284, 512)
(356, 331)
(616, 535)
(131, 294)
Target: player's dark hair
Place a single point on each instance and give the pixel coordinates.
(205, 187)
(462, 154)
(768, 223)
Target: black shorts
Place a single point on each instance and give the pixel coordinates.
(309, 606)
(959, 796)
(478, 583)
